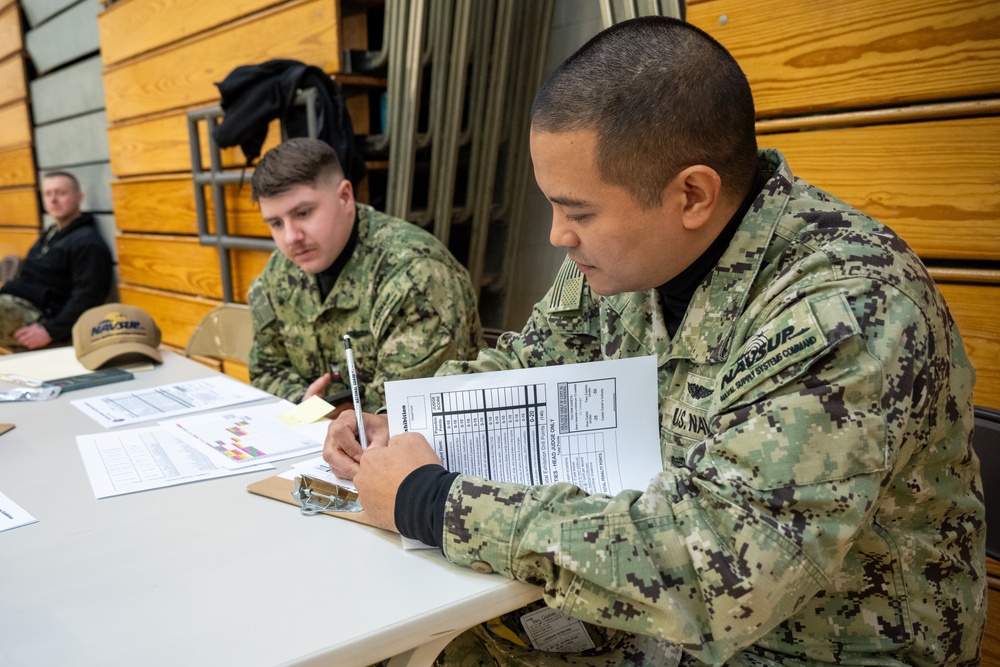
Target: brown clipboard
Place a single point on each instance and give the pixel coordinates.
(281, 489)
(5, 427)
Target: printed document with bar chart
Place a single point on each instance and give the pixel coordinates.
(595, 424)
(244, 436)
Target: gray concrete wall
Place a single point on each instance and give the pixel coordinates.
(62, 37)
(536, 261)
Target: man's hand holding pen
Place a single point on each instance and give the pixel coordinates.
(377, 471)
(342, 451)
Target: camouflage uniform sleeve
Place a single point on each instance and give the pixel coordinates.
(269, 366)
(423, 316)
(562, 329)
(714, 554)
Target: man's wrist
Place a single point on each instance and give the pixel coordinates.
(420, 503)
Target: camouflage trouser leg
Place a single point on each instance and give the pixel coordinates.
(15, 313)
(481, 647)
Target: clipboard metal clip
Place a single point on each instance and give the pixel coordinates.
(317, 495)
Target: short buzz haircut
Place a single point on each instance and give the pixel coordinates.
(64, 174)
(661, 96)
(297, 161)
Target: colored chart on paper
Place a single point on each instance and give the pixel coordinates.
(239, 445)
(247, 436)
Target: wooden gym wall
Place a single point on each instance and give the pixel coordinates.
(161, 59)
(19, 212)
(893, 106)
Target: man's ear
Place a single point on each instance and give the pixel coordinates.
(700, 189)
(345, 193)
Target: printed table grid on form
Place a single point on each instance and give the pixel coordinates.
(505, 433)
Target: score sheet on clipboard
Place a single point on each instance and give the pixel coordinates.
(595, 425)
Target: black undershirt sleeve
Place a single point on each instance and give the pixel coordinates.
(420, 502)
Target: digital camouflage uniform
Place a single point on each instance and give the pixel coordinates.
(406, 302)
(15, 313)
(820, 501)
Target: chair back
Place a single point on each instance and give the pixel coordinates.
(225, 332)
(491, 335)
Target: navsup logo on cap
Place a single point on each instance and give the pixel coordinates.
(115, 331)
(114, 321)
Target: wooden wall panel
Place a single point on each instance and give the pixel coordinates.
(805, 56)
(247, 265)
(17, 241)
(12, 82)
(935, 183)
(130, 28)
(10, 31)
(177, 315)
(159, 144)
(165, 205)
(151, 146)
(236, 369)
(185, 74)
(19, 208)
(157, 205)
(162, 58)
(174, 263)
(976, 309)
(242, 215)
(17, 166)
(15, 128)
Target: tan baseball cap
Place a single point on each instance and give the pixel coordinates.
(112, 331)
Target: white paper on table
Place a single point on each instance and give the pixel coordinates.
(243, 436)
(317, 469)
(127, 408)
(595, 424)
(12, 515)
(54, 363)
(44, 365)
(127, 461)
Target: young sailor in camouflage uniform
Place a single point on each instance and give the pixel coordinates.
(819, 503)
(345, 268)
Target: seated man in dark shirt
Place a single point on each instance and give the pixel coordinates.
(67, 271)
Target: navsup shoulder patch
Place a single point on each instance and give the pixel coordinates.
(795, 336)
